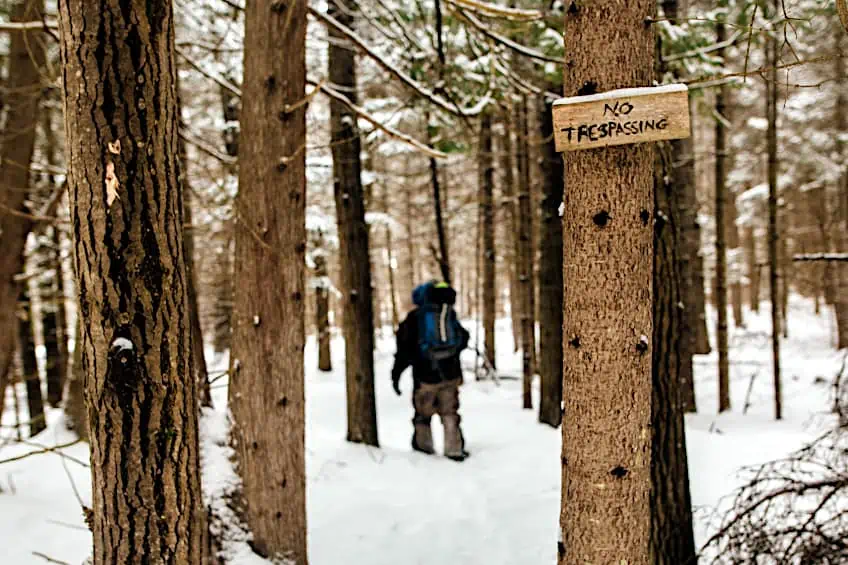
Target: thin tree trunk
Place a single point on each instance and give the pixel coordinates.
(20, 97)
(734, 270)
(444, 254)
(353, 241)
(126, 209)
(607, 254)
(550, 274)
(773, 229)
(61, 311)
(266, 393)
(487, 189)
(411, 249)
(721, 241)
(525, 256)
(511, 227)
(390, 255)
(29, 365)
(75, 416)
(672, 537)
(322, 310)
(785, 269)
(753, 268)
(839, 272)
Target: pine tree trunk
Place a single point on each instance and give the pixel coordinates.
(839, 272)
(50, 332)
(672, 537)
(266, 393)
(353, 242)
(607, 266)
(201, 374)
(487, 190)
(63, 359)
(525, 255)
(550, 274)
(721, 241)
(411, 249)
(753, 268)
(22, 90)
(734, 270)
(390, 255)
(126, 209)
(511, 227)
(322, 313)
(223, 307)
(773, 229)
(75, 415)
(444, 253)
(29, 365)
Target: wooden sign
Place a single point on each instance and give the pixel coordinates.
(619, 117)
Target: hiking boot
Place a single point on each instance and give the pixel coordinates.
(428, 450)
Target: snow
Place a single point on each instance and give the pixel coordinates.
(390, 505)
(122, 344)
(623, 93)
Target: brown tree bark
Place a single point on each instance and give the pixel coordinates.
(322, 310)
(127, 216)
(487, 191)
(773, 229)
(21, 96)
(390, 256)
(672, 537)
(29, 365)
(752, 268)
(353, 241)
(266, 393)
(838, 273)
(721, 238)
(607, 265)
(511, 226)
(524, 261)
(75, 415)
(734, 273)
(550, 274)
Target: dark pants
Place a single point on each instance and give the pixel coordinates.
(442, 399)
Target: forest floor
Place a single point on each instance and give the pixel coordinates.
(391, 506)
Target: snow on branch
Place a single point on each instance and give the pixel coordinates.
(28, 26)
(389, 67)
(821, 257)
(339, 97)
(217, 78)
(517, 47)
(502, 12)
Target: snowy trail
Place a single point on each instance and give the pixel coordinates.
(391, 506)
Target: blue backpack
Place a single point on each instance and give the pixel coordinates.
(439, 334)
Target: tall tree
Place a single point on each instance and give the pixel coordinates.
(29, 364)
(721, 228)
(550, 274)
(752, 267)
(390, 261)
(487, 188)
(266, 391)
(358, 317)
(606, 442)
(511, 224)
(838, 273)
(322, 306)
(773, 229)
(127, 217)
(524, 260)
(21, 97)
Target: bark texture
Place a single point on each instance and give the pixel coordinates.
(607, 263)
(126, 216)
(487, 188)
(672, 537)
(75, 416)
(773, 229)
(838, 273)
(21, 96)
(550, 274)
(358, 317)
(511, 226)
(524, 260)
(752, 269)
(721, 237)
(322, 314)
(29, 365)
(266, 388)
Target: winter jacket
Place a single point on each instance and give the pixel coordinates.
(408, 352)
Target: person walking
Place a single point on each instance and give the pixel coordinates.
(430, 340)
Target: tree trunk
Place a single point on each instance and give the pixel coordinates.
(773, 230)
(838, 272)
(353, 241)
(753, 269)
(201, 374)
(75, 416)
(411, 248)
(699, 299)
(266, 391)
(607, 264)
(127, 216)
(550, 274)
(487, 190)
(721, 241)
(390, 255)
(322, 311)
(672, 537)
(511, 227)
(21, 96)
(29, 365)
(734, 269)
(444, 254)
(525, 256)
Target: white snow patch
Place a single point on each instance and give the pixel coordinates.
(122, 344)
(623, 93)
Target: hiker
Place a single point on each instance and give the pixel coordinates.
(430, 339)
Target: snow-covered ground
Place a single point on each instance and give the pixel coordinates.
(391, 506)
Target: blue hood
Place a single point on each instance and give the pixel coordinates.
(428, 294)
(420, 294)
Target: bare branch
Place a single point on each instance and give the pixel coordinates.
(502, 12)
(517, 47)
(29, 26)
(217, 78)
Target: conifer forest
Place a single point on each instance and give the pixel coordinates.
(424, 282)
